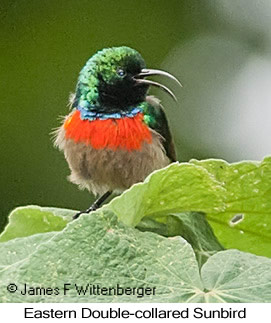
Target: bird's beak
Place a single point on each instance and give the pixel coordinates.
(149, 72)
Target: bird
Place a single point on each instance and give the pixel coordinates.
(116, 133)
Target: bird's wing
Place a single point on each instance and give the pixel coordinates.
(155, 118)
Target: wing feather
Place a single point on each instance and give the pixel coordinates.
(157, 120)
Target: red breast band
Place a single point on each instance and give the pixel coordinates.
(125, 133)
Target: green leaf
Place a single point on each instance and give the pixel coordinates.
(29, 220)
(247, 198)
(17, 250)
(97, 249)
(192, 226)
(236, 199)
(14, 252)
(233, 276)
(176, 188)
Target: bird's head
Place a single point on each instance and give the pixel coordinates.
(114, 79)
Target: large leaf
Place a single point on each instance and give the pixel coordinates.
(28, 220)
(97, 249)
(176, 188)
(235, 197)
(230, 276)
(245, 223)
(17, 250)
(192, 226)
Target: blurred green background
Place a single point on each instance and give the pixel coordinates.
(220, 50)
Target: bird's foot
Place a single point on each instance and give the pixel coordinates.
(90, 209)
(94, 206)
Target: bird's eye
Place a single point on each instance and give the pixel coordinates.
(121, 72)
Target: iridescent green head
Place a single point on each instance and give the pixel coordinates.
(112, 81)
(107, 80)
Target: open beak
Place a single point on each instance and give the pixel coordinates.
(149, 72)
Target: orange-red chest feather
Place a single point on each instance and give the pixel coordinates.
(125, 133)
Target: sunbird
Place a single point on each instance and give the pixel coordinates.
(116, 134)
